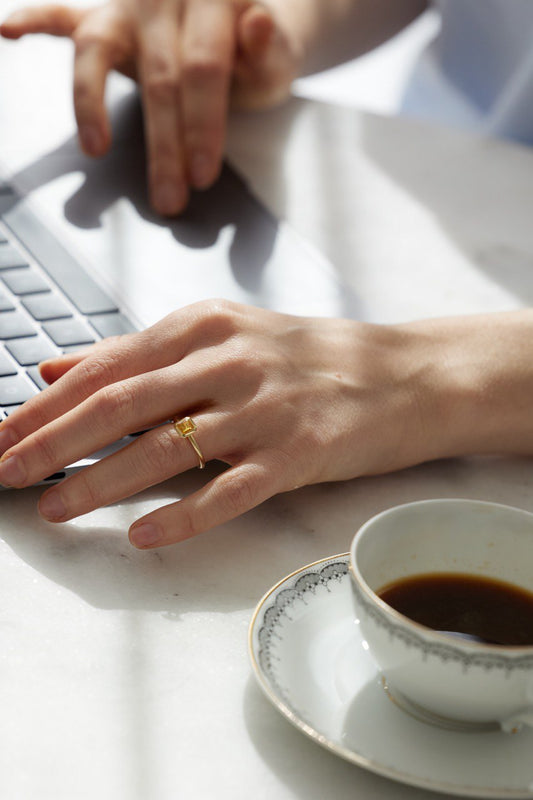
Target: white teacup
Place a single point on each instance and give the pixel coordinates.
(445, 680)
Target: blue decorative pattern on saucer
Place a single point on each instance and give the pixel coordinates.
(272, 628)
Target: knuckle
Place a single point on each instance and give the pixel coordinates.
(160, 450)
(94, 373)
(45, 450)
(218, 318)
(188, 526)
(161, 81)
(40, 416)
(86, 39)
(238, 494)
(89, 495)
(85, 94)
(115, 401)
(203, 69)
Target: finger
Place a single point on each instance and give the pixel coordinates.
(54, 368)
(104, 363)
(227, 496)
(188, 330)
(254, 33)
(208, 54)
(265, 64)
(56, 20)
(154, 457)
(99, 41)
(160, 80)
(106, 416)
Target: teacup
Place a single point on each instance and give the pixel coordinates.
(446, 680)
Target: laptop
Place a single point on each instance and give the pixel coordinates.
(226, 244)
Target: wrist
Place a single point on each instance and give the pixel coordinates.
(473, 383)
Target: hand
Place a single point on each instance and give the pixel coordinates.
(191, 58)
(284, 401)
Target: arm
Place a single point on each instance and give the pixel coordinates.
(283, 401)
(330, 32)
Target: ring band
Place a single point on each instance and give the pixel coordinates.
(186, 428)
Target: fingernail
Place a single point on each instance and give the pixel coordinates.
(201, 171)
(145, 535)
(168, 198)
(12, 471)
(91, 140)
(7, 439)
(51, 506)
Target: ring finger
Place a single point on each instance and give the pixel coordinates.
(208, 53)
(154, 457)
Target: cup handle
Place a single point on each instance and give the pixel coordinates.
(515, 722)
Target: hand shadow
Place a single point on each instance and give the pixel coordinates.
(121, 174)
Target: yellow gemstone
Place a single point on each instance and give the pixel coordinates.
(185, 426)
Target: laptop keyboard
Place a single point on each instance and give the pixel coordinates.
(49, 304)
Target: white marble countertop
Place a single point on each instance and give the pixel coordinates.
(124, 675)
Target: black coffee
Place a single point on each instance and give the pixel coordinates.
(490, 611)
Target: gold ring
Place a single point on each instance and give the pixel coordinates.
(186, 428)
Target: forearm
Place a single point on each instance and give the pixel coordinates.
(473, 384)
(330, 32)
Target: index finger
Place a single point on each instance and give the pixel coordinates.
(55, 20)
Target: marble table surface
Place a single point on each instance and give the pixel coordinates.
(124, 675)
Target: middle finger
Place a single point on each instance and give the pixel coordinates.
(154, 457)
(160, 79)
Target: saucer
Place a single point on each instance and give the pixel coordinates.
(310, 660)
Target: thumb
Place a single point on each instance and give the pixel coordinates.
(255, 31)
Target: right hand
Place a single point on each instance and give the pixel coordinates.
(192, 59)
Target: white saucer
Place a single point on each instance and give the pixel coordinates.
(310, 660)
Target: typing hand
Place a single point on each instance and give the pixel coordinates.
(284, 401)
(192, 59)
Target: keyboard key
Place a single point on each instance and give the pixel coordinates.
(14, 325)
(111, 324)
(63, 268)
(43, 307)
(15, 390)
(64, 332)
(11, 257)
(5, 302)
(7, 367)
(25, 281)
(31, 350)
(3, 238)
(35, 375)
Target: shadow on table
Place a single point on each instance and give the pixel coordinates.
(478, 189)
(121, 174)
(231, 567)
(222, 570)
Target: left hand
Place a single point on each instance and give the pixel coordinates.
(284, 401)
(192, 60)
